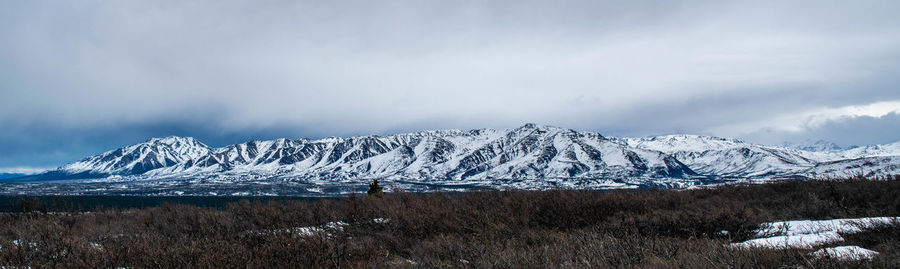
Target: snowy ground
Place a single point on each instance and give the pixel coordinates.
(326, 229)
(811, 234)
(845, 253)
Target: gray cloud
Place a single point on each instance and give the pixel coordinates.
(860, 131)
(80, 73)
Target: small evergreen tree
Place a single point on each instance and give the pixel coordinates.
(375, 189)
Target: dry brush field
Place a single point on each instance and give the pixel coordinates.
(483, 229)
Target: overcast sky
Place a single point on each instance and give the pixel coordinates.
(82, 77)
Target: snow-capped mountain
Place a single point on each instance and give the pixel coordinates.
(156, 153)
(529, 152)
(866, 166)
(731, 158)
(815, 146)
(723, 157)
(884, 150)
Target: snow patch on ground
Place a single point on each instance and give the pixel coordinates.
(846, 253)
(793, 241)
(802, 227)
(312, 230)
(810, 234)
(327, 229)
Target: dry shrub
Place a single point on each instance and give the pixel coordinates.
(520, 229)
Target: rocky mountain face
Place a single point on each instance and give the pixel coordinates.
(528, 152)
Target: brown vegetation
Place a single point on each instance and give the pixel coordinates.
(521, 229)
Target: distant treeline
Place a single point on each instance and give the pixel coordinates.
(481, 229)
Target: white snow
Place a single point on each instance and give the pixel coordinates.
(845, 253)
(684, 143)
(528, 152)
(810, 234)
(793, 241)
(869, 166)
(312, 230)
(844, 226)
(306, 230)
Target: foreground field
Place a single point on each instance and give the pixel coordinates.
(523, 229)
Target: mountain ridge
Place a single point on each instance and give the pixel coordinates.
(530, 151)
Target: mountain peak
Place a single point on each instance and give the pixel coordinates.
(815, 146)
(172, 139)
(538, 127)
(530, 151)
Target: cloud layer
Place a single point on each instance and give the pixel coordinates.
(80, 77)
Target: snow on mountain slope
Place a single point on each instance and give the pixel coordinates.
(527, 152)
(868, 166)
(892, 149)
(140, 158)
(814, 146)
(885, 150)
(723, 157)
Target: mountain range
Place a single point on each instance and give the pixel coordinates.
(530, 153)
(11, 175)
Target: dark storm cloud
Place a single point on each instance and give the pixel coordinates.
(82, 77)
